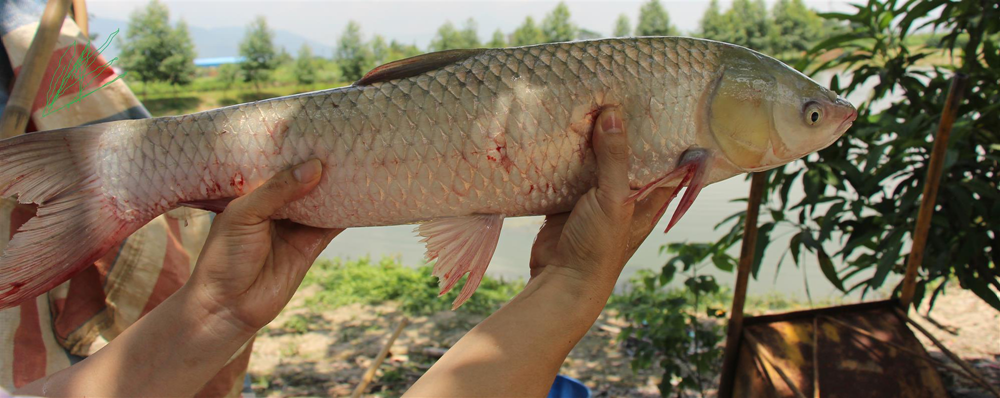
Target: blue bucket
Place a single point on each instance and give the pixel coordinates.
(568, 387)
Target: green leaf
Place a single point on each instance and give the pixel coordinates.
(826, 265)
(836, 42)
(724, 262)
(795, 245)
(667, 274)
(888, 257)
(830, 219)
(990, 52)
(763, 239)
(982, 289)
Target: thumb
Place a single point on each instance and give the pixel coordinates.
(612, 152)
(283, 188)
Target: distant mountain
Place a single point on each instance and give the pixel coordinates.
(209, 43)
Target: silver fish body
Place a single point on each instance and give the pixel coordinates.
(506, 131)
(455, 135)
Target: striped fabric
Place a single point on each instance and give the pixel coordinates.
(75, 319)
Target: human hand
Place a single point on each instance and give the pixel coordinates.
(596, 239)
(251, 265)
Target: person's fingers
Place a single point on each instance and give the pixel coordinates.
(283, 188)
(310, 241)
(546, 240)
(612, 152)
(302, 242)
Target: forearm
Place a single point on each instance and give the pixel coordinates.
(172, 351)
(518, 350)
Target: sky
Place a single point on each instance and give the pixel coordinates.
(413, 21)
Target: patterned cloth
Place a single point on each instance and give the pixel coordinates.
(75, 319)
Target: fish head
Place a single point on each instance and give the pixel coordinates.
(764, 114)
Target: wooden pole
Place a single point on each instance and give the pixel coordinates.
(80, 16)
(370, 373)
(735, 328)
(931, 183)
(18, 111)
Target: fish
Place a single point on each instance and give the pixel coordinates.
(453, 141)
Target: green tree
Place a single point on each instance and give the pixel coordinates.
(282, 57)
(750, 25)
(153, 51)
(861, 195)
(557, 27)
(654, 20)
(228, 74)
(305, 66)
(449, 38)
(178, 68)
(352, 55)
(446, 38)
(587, 34)
(623, 28)
(399, 51)
(380, 49)
(796, 27)
(470, 33)
(528, 33)
(257, 49)
(498, 40)
(713, 23)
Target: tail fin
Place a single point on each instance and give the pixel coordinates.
(75, 223)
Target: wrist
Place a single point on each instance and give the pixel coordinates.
(214, 317)
(579, 290)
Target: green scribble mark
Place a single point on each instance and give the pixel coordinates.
(66, 77)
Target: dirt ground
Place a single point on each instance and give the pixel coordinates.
(327, 354)
(968, 327)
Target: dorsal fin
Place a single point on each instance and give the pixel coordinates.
(416, 65)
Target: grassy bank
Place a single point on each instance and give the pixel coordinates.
(339, 319)
(206, 93)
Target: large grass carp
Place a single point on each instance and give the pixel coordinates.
(454, 141)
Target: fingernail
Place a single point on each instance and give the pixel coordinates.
(307, 171)
(611, 124)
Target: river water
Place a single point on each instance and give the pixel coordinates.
(713, 205)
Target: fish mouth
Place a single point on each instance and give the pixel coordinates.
(847, 122)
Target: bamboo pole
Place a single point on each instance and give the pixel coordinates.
(735, 328)
(968, 368)
(931, 183)
(80, 16)
(370, 373)
(18, 111)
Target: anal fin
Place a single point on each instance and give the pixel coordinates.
(461, 245)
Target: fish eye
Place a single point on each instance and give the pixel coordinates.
(813, 113)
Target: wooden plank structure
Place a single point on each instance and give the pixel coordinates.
(844, 351)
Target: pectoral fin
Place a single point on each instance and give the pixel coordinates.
(692, 171)
(461, 245)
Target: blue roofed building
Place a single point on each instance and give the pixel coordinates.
(217, 61)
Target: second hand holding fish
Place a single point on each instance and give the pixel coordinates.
(575, 262)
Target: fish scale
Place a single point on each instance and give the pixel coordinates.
(455, 141)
